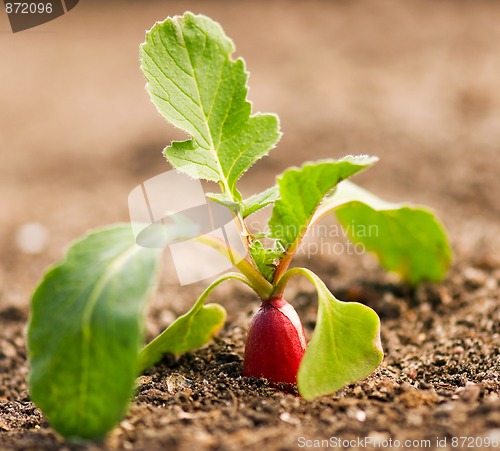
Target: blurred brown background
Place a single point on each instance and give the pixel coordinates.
(415, 82)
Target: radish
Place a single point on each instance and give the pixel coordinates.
(275, 343)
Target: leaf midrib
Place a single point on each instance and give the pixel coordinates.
(93, 299)
(205, 118)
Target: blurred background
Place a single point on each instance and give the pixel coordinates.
(415, 82)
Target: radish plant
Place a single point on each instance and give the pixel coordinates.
(85, 335)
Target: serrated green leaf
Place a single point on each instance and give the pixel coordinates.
(302, 190)
(260, 200)
(198, 87)
(266, 259)
(345, 346)
(409, 240)
(85, 331)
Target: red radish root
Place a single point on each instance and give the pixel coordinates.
(275, 343)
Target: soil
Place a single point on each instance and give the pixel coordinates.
(414, 82)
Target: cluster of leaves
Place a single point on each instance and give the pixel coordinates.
(85, 333)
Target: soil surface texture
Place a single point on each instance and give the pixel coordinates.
(413, 82)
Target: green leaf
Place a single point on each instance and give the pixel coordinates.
(198, 87)
(266, 259)
(85, 331)
(188, 332)
(192, 330)
(302, 190)
(225, 200)
(250, 205)
(409, 240)
(260, 200)
(345, 346)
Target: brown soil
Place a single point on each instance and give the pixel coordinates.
(414, 82)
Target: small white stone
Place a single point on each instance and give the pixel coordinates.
(127, 425)
(360, 416)
(287, 418)
(177, 382)
(378, 437)
(32, 238)
(357, 414)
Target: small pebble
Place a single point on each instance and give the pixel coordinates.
(491, 284)
(470, 393)
(167, 317)
(360, 416)
(287, 418)
(358, 391)
(474, 277)
(378, 437)
(177, 382)
(127, 425)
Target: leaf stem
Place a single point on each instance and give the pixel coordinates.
(313, 278)
(262, 287)
(283, 281)
(288, 257)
